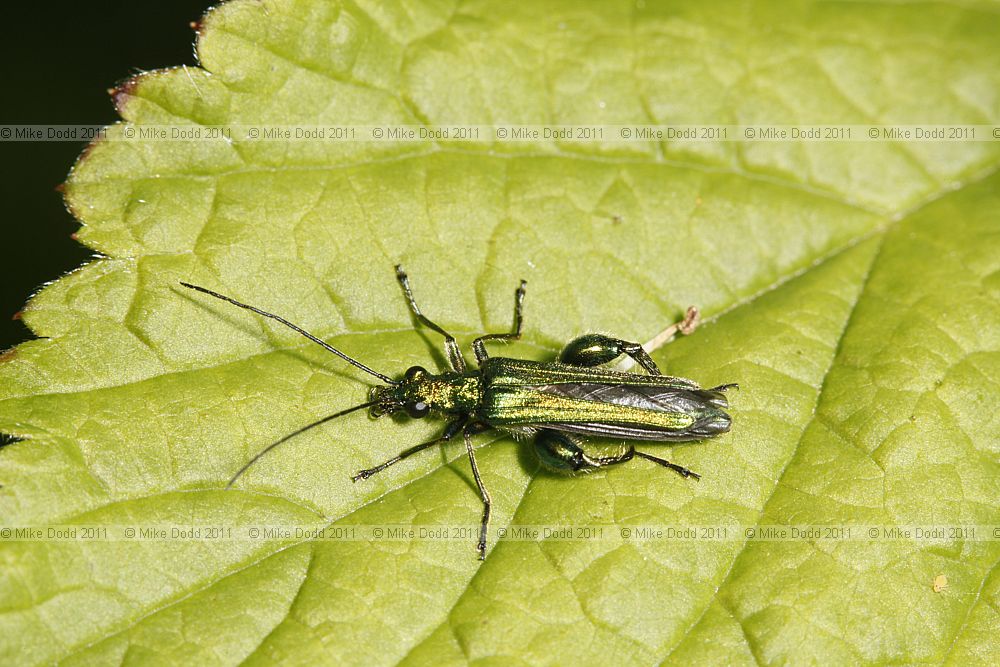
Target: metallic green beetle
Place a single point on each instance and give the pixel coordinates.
(559, 403)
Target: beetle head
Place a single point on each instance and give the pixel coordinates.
(409, 395)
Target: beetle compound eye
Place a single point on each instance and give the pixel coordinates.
(418, 409)
(414, 373)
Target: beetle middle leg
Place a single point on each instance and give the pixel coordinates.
(479, 346)
(562, 452)
(450, 344)
(483, 493)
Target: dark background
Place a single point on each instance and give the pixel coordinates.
(56, 66)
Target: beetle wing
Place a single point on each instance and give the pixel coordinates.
(523, 394)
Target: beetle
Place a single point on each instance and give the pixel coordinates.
(558, 403)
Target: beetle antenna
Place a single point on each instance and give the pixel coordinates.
(293, 434)
(355, 362)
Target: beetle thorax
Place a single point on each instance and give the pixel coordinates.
(419, 391)
(444, 393)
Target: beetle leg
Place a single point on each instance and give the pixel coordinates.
(680, 470)
(479, 346)
(450, 344)
(483, 493)
(562, 452)
(597, 349)
(449, 432)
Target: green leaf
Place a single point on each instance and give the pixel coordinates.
(851, 288)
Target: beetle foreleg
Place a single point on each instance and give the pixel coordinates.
(449, 432)
(450, 344)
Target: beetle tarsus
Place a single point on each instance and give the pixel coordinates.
(680, 470)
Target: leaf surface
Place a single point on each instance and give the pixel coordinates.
(851, 289)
